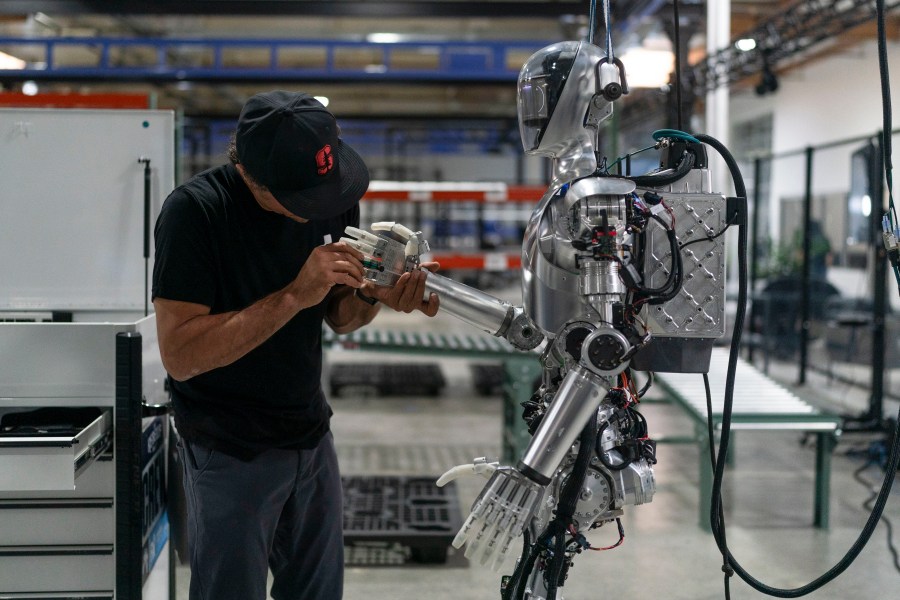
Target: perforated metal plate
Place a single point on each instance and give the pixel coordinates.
(699, 309)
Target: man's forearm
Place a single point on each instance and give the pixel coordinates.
(206, 342)
(346, 312)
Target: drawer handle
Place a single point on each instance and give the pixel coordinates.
(72, 550)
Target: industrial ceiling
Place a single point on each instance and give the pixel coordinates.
(528, 23)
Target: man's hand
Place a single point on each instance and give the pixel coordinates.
(408, 293)
(327, 266)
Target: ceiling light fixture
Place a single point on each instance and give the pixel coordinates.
(384, 38)
(648, 68)
(745, 44)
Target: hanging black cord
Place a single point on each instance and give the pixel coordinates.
(678, 115)
(716, 504)
(710, 434)
(857, 475)
(886, 126)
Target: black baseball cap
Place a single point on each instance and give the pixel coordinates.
(288, 142)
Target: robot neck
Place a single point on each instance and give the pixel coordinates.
(577, 161)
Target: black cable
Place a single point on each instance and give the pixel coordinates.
(602, 455)
(678, 278)
(647, 385)
(707, 239)
(885, 98)
(568, 502)
(670, 288)
(857, 475)
(677, 65)
(716, 504)
(710, 433)
(557, 528)
(512, 584)
(660, 179)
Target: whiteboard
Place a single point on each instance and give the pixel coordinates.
(72, 205)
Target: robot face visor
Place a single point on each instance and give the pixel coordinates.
(534, 109)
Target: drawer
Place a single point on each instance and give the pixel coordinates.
(36, 568)
(49, 461)
(57, 521)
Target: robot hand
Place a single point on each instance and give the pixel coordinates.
(386, 258)
(499, 515)
(480, 466)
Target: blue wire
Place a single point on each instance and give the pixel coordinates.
(674, 133)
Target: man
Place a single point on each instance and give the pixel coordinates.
(247, 268)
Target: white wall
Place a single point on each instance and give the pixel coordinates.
(833, 99)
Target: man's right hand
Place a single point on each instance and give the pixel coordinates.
(328, 266)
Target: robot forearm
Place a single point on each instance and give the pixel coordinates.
(386, 258)
(484, 311)
(579, 396)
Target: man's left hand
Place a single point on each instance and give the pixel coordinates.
(408, 293)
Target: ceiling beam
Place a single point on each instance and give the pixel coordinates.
(335, 8)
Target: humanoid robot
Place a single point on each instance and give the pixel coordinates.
(619, 273)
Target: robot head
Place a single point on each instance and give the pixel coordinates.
(556, 86)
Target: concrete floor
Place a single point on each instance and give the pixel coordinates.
(768, 499)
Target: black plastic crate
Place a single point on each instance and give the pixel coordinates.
(487, 379)
(393, 520)
(386, 379)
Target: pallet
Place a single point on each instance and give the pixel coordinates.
(386, 379)
(395, 520)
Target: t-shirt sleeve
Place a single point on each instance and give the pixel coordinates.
(184, 263)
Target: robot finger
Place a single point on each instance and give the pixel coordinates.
(401, 230)
(363, 247)
(455, 473)
(463, 533)
(363, 235)
(477, 541)
(481, 466)
(493, 544)
(500, 556)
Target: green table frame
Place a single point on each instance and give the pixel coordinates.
(826, 428)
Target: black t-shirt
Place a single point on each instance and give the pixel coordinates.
(216, 246)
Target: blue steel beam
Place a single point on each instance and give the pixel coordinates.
(338, 8)
(192, 59)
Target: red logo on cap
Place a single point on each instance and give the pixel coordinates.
(324, 160)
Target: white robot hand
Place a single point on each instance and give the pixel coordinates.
(499, 515)
(387, 257)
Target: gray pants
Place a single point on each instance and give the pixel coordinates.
(282, 510)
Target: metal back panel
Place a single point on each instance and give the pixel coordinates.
(699, 309)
